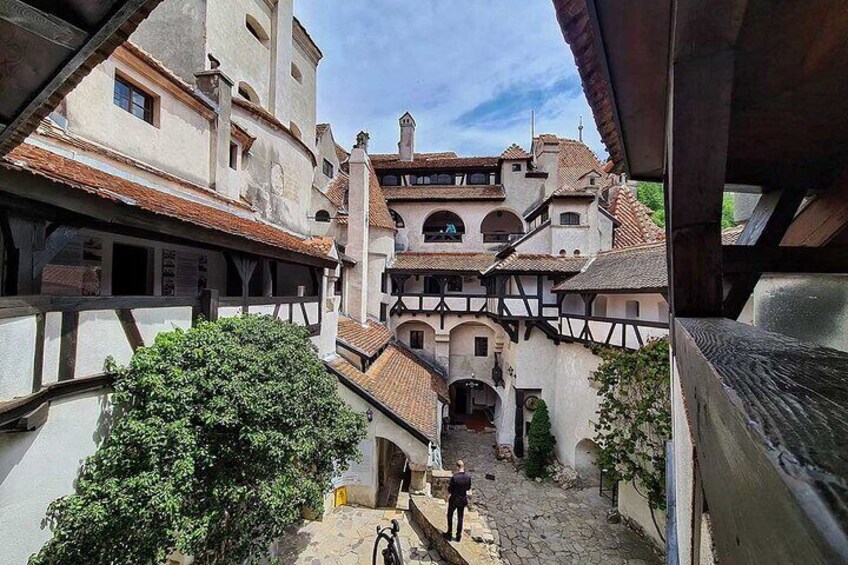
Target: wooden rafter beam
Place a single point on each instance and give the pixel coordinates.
(46, 26)
(741, 259)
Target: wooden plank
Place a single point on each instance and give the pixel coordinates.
(56, 240)
(746, 259)
(130, 327)
(46, 26)
(38, 353)
(16, 306)
(12, 410)
(68, 346)
(699, 119)
(822, 219)
(768, 419)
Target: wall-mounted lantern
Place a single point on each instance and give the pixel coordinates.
(369, 414)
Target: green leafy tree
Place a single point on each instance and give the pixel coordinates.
(634, 416)
(651, 195)
(223, 434)
(540, 441)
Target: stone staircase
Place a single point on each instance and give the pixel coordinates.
(479, 544)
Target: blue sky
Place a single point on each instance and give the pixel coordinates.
(470, 71)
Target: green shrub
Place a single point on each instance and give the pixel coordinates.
(224, 433)
(540, 441)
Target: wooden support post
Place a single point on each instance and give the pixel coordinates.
(68, 346)
(130, 327)
(701, 83)
(208, 305)
(38, 355)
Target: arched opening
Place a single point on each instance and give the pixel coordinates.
(393, 473)
(474, 404)
(501, 226)
(398, 219)
(322, 216)
(418, 336)
(248, 93)
(478, 178)
(390, 180)
(443, 226)
(569, 219)
(586, 462)
(256, 29)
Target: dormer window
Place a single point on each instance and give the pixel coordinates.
(516, 167)
(592, 181)
(569, 219)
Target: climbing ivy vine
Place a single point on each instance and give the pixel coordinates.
(223, 434)
(634, 417)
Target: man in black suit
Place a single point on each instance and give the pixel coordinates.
(460, 484)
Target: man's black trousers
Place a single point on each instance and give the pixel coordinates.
(460, 514)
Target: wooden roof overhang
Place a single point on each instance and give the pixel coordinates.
(47, 47)
(788, 57)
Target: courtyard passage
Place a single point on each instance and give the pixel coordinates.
(540, 523)
(346, 537)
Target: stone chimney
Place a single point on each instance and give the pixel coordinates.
(406, 145)
(358, 229)
(218, 88)
(547, 160)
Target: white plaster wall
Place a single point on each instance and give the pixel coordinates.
(381, 250)
(325, 147)
(463, 362)
(179, 141)
(364, 490)
(279, 174)
(403, 329)
(576, 399)
(302, 108)
(684, 469)
(17, 354)
(38, 467)
(635, 508)
(242, 56)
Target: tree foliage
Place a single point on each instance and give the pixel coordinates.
(651, 195)
(224, 433)
(634, 417)
(540, 441)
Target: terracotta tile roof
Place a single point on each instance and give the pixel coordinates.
(515, 152)
(636, 227)
(402, 384)
(458, 262)
(417, 156)
(427, 161)
(641, 268)
(320, 129)
(538, 263)
(322, 244)
(378, 210)
(730, 236)
(573, 17)
(439, 193)
(81, 177)
(341, 153)
(369, 339)
(575, 161)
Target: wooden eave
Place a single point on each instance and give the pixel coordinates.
(48, 53)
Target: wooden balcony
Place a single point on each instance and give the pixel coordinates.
(501, 237)
(768, 415)
(62, 343)
(459, 304)
(616, 332)
(442, 237)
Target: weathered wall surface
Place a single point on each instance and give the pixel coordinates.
(175, 33)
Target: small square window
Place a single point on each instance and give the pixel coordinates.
(132, 99)
(481, 346)
(416, 339)
(516, 168)
(329, 170)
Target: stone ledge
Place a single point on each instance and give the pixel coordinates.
(430, 515)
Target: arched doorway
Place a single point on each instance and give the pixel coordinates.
(443, 226)
(586, 462)
(501, 226)
(393, 473)
(474, 404)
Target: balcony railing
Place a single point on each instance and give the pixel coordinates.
(421, 303)
(501, 237)
(442, 237)
(618, 332)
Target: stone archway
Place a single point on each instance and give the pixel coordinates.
(393, 472)
(586, 455)
(475, 404)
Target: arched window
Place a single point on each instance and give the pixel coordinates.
(248, 93)
(443, 226)
(390, 180)
(501, 226)
(577, 253)
(478, 178)
(256, 30)
(433, 178)
(399, 223)
(322, 216)
(296, 74)
(444, 179)
(569, 219)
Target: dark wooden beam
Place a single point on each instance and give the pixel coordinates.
(823, 219)
(56, 31)
(746, 259)
(128, 323)
(701, 84)
(68, 346)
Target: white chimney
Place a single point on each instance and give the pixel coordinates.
(358, 229)
(547, 160)
(406, 145)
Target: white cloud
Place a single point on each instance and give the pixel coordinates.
(469, 71)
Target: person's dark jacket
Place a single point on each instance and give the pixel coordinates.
(458, 489)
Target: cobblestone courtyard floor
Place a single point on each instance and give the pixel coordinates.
(540, 522)
(346, 537)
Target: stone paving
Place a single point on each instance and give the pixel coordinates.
(541, 523)
(346, 537)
